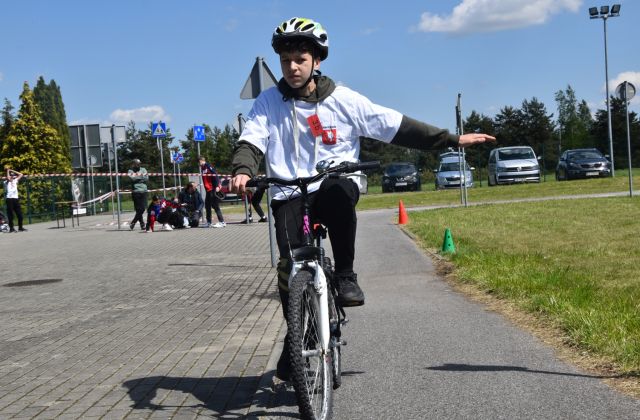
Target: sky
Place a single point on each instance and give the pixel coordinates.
(186, 62)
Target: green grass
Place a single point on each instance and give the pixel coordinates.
(576, 262)
(480, 194)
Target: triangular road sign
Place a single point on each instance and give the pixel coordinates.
(259, 72)
(159, 130)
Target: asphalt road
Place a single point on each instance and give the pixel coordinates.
(96, 323)
(419, 350)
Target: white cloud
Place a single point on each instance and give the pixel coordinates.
(370, 31)
(144, 114)
(494, 15)
(632, 77)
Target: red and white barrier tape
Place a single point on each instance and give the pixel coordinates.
(81, 175)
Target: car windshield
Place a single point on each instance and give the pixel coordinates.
(584, 154)
(515, 154)
(452, 166)
(393, 170)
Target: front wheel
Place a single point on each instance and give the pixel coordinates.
(311, 366)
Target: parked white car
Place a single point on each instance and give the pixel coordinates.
(510, 165)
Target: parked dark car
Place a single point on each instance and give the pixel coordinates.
(582, 163)
(401, 176)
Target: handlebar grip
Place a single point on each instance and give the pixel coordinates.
(252, 183)
(369, 165)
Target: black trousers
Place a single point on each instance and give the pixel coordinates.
(256, 198)
(211, 199)
(13, 206)
(140, 205)
(333, 205)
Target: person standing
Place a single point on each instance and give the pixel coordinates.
(211, 183)
(255, 199)
(139, 178)
(13, 202)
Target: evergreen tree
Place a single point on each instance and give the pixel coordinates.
(508, 127)
(7, 120)
(600, 132)
(32, 146)
(537, 131)
(573, 124)
(49, 99)
(224, 144)
(142, 145)
(478, 123)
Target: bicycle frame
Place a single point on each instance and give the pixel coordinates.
(312, 256)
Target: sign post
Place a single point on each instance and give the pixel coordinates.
(199, 136)
(626, 91)
(176, 158)
(260, 79)
(115, 159)
(159, 131)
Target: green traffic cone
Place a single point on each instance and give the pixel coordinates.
(447, 244)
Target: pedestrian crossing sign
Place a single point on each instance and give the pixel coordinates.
(159, 129)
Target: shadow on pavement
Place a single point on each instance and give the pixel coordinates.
(222, 397)
(456, 367)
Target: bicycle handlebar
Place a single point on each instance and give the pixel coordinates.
(342, 168)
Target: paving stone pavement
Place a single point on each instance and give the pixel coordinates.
(97, 322)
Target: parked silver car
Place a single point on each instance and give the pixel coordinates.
(509, 165)
(448, 172)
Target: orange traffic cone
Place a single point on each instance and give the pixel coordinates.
(403, 219)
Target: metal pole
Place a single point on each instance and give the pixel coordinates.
(175, 183)
(626, 104)
(179, 178)
(164, 187)
(461, 156)
(93, 189)
(115, 159)
(113, 210)
(606, 75)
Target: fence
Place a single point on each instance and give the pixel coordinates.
(42, 194)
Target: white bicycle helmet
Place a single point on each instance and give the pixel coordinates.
(298, 27)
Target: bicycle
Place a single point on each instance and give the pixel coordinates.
(314, 320)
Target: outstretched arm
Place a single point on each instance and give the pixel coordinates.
(474, 138)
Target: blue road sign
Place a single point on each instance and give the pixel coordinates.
(177, 157)
(159, 129)
(198, 133)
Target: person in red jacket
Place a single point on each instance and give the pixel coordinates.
(211, 184)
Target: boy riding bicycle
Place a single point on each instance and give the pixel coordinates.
(306, 119)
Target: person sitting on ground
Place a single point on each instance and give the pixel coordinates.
(159, 210)
(192, 200)
(4, 227)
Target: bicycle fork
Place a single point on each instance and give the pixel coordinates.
(322, 303)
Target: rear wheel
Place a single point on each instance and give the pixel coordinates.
(311, 367)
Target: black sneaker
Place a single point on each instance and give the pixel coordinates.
(349, 293)
(131, 226)
(22, 230)
(262, 220)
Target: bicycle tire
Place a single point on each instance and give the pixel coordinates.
(336, 360)
(311, 376)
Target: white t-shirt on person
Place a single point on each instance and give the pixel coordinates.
(11, 188)
(280, 129)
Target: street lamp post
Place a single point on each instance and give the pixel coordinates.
(604, 13)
